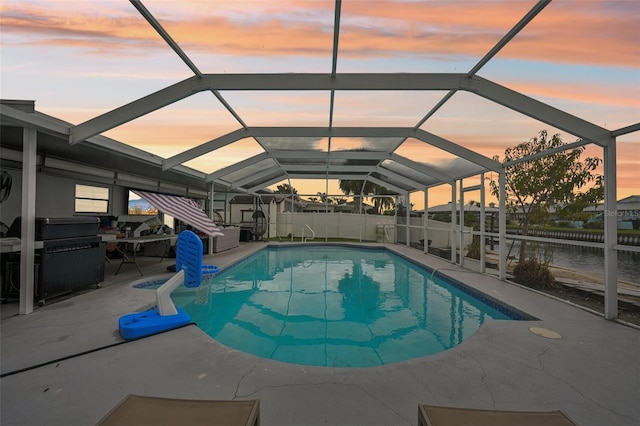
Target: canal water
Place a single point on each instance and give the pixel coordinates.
(583, 259)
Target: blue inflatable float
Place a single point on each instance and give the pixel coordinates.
(166, 316)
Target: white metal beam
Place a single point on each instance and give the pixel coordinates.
(454, 218)
(336, 36)
(624, 130)
(461, 222)
(237, 166)
(165, 36)
(422, 168)
(205, 148)
(60, 128)
(561, 148)
(358, 155)
(457, 150)
(386, 185)
(393, 175)
(345, 81)
(255, 176)
(222, 182)
(15, 117)
(539, 111)
(336, 132)
(333, 155)
(344, 176)
(483, 222)
(28, 224)
(334, 60)
(535, 10)
(285, 81)
(502, 226)
(176, 48)
(288, 154)
(318, 132)
(397, 81)
(267, 183)
(328, 169)
(610, 234)
(135, 109)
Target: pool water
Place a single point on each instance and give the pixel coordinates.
(336, 306)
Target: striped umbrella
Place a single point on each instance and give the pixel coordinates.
(184, 209)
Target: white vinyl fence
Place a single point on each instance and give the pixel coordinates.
(361, 227)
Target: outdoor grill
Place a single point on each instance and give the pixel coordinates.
(71, 257)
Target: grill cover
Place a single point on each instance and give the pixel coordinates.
(51, 228)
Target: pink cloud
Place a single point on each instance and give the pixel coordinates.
(610, 94)
(569, 34)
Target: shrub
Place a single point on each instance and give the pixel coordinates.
(534, 274)
(474, 248)
(593, 225)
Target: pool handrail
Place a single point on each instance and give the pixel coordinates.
(313, 236)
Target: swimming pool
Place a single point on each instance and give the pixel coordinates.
(336, 306)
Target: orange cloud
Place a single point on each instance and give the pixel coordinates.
(604, 33)
(610, 94)
(568, 33)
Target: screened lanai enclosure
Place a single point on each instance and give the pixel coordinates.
(399, 101)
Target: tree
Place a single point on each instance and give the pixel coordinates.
(558, 180)
(471, 217)
(360, 188)
(355, 188)
(324, 198)
(382, 203)
(285, 188)
(340, 200)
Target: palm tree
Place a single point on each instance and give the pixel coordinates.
(285, 188)
(359, 188)
(355, 188)
(324, 198)
(382, 203)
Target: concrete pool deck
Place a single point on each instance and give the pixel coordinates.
(592, 373)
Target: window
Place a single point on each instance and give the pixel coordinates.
(92, 199)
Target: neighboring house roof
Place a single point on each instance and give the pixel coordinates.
(625, 204)
(630, 199)
(266, 199)
(344, 207)
(446, 208)
(319, 206)
(250, 199)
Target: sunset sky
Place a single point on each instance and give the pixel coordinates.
(79, 59)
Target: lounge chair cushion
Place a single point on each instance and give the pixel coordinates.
(146, 410)
(429, 415)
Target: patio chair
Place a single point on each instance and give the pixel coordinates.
(147, 410)
(430, 415)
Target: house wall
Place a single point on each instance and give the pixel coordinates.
(11, 207)
(55, 197)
